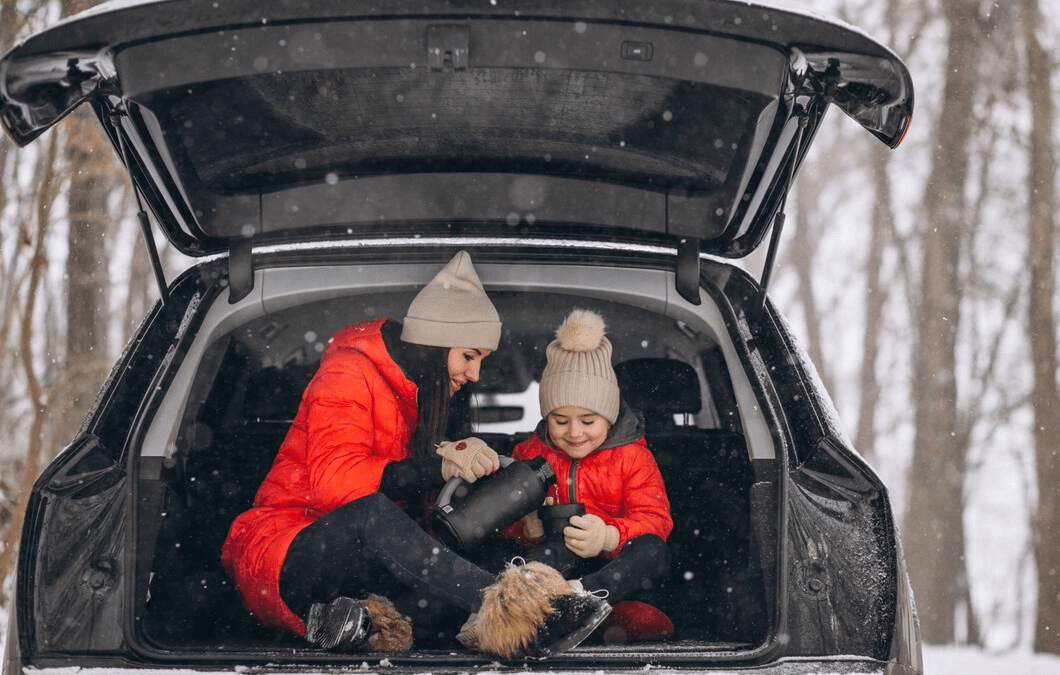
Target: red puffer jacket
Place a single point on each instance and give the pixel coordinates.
(356, 416)
(621, 484)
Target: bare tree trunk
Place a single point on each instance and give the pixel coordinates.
(87, 276)
(934, 526)
(141, 285)
(803, 245)
(37, 398)
(875, 300)
(10, 25)
(1042, 330)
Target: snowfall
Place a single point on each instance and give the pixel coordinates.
(995, 515)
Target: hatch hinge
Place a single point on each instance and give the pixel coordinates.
(687, 280)
(240, 270)
(448, 46)
(142, 218)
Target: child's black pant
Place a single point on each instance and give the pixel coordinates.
(641, 563)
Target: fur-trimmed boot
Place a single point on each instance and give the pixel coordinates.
(348, 625)
(391, 630)
(532, 611)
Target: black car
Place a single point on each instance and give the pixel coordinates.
(324, 159)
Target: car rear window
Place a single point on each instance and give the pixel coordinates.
(283, 128)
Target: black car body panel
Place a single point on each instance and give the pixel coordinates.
(784, 540)
(333, 156)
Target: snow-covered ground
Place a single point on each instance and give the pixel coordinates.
(945, 660)
(968, 661)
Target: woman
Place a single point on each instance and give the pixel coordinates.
(330, 529)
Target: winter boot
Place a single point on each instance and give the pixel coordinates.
(634, 621)
(468, 635)
(391, 630)
(342, 625)
(574, 617)
(348, 625)
(532, 611)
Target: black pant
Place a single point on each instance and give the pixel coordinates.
(642, 562)
(371, 546)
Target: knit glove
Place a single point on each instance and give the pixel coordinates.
(533, 529)
(588, 536)
(469, 459)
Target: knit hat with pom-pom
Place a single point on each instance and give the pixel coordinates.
(579, 371)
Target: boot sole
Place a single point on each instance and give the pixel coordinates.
(572, 640)
(342, 625)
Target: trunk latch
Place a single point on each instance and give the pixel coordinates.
(447, 47)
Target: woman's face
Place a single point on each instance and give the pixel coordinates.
(463, 365)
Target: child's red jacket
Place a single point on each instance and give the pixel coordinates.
(620, 481)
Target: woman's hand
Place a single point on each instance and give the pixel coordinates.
(469, 459)
(589, 536)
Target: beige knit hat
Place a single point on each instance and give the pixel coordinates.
(453, 310)
(579, 371)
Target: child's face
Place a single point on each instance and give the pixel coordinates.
(576, 431)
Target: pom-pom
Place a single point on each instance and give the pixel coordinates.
(581, 331)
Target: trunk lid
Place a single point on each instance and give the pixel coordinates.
(244, 123)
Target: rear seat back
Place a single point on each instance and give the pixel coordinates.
(714, 590)
(192, 601)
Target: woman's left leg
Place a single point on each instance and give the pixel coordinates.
(352, 549)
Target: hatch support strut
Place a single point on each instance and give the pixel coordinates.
(781, 217)
(771, 253)
(145, 223)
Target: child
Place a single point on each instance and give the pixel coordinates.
(595, 444)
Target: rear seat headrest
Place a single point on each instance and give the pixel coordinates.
(659, 386)
(273, 393)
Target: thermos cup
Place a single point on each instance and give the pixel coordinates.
(466, 513)
(555, 518)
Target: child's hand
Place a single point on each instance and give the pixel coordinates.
(533, 529)
(588, 536)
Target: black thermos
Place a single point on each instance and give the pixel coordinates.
(466, 513)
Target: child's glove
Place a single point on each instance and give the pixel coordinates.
(533, 529)
(588, 536)
(469, 459)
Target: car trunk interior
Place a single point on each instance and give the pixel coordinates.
(248, 386)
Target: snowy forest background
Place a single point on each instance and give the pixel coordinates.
(923, 282)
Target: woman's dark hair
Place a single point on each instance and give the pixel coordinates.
(441, 416)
